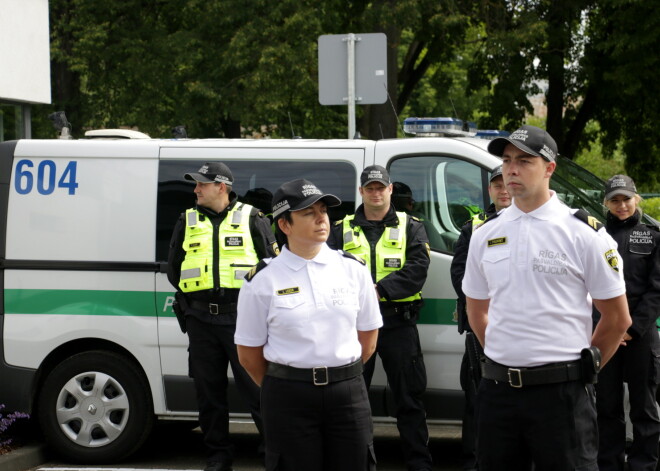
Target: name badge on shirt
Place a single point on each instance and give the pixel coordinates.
(612, 258)
(497, 241)
(285, 291)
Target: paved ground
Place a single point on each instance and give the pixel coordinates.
(175, 448)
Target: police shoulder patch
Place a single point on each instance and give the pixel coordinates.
(612, 258)
(256, 269)
(488, 219)
(351, 256)
(588, 219)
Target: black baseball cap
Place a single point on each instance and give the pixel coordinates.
(535, 141)
(496, 173)
(299, 194)
(401, 189)
(620, 185)
(212, 172)
(374, 173)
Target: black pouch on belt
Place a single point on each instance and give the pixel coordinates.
(590, 360)
(179, 306)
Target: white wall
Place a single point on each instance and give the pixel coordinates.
(24, 51)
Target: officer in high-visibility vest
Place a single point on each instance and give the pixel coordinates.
(396, 250)
(470, 370)
(214, 245)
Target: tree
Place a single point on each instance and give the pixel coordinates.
(594, 59)
(625, 36)
(224, 69)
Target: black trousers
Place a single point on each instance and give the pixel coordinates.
(211, 350)
(317, 428)
(637, 364)
(401, 354)
(469, 431)
(550, 426)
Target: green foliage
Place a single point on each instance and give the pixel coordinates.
(242, 68)
(651, 207)
(599, 160)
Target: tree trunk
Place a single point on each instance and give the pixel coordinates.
(557, 44)
(380, 121)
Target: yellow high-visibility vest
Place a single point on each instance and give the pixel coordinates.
(390, 251)
(235, 246)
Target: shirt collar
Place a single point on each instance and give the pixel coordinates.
(544, 212)
(296, 262)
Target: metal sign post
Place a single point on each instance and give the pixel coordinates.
(352, 70)
(350, 41)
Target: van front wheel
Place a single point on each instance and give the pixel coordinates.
(96, 407)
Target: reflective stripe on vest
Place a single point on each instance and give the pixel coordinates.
(390, 249)
(237, 254)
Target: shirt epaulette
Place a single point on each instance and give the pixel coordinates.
(588, 219)
(414, 218)
(338, 223)
(350, 255)
(256, 269)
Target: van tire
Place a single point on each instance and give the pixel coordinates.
(95, 407)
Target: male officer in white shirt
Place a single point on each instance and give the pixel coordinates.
(530, 276)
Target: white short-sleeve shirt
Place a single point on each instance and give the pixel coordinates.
(306, 313)
(538, 270)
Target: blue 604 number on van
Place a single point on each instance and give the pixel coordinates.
(46, 173)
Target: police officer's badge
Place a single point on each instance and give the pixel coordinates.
(612, 258)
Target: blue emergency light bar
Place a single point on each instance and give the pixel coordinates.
(452, 127)
(491, 133)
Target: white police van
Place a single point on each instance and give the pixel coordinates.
(89, 342)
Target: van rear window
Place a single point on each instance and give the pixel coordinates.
(254, 183)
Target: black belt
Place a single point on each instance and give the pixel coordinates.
(213, 308)
(406, 310)
(319, 376)
(519, 377)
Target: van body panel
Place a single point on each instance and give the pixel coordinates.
(85, 229)
(108, 194)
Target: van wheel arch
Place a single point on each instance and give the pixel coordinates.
(95, 407)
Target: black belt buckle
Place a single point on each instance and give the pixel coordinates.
(213, 309)
(515, 377)
(322, 370)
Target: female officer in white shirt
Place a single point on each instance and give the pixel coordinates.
(307, 321)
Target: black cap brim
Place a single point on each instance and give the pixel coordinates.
(613, 193)
(497, 145)
(198, 177)
(378, 180)
(328, 199)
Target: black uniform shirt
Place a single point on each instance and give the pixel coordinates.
(458, 268)
(639, 247)
(264, 245)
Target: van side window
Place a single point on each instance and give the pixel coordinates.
(254, 183)
(445, 193)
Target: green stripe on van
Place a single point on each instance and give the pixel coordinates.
(148, 304)
(438, 312)
(80, 302)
